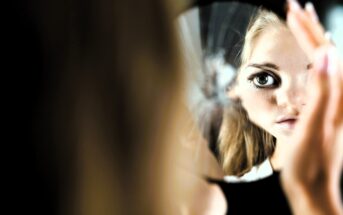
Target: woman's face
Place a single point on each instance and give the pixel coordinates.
(272, 85)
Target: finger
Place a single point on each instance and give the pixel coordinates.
(308, 18)
(313, 118)
(334, 129)
(312, 20)
(309, 8)
(305, 26)
(302, 34)
(335, 109)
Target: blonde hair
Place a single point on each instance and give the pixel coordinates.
(242, 143)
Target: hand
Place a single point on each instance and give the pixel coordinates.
(315, 160)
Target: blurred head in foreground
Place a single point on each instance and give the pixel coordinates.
(109, 100)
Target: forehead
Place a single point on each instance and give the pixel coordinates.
(277, 45)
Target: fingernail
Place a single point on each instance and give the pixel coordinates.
(322, 63)
(310, 8)
(293, 5)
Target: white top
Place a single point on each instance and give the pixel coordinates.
(260, 171)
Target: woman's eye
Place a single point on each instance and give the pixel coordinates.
(264, 80)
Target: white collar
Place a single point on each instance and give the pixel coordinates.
(257, 172)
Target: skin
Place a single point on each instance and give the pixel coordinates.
(272, 85)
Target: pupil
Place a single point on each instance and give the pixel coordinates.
(262, 79)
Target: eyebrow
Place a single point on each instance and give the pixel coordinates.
(273, 66)
(264, 65)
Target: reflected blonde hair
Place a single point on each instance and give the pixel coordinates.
(242, 143)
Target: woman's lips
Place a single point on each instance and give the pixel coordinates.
(287, 123)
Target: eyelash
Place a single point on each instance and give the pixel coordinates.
(275, 77)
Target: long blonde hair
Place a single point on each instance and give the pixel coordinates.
(242, 143)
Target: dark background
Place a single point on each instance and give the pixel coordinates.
(278, 6)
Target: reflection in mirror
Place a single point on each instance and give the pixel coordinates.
(253, 92)
(249, 82)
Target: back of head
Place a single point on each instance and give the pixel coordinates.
(111, 100)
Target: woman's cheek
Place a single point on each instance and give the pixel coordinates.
(258, 106)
